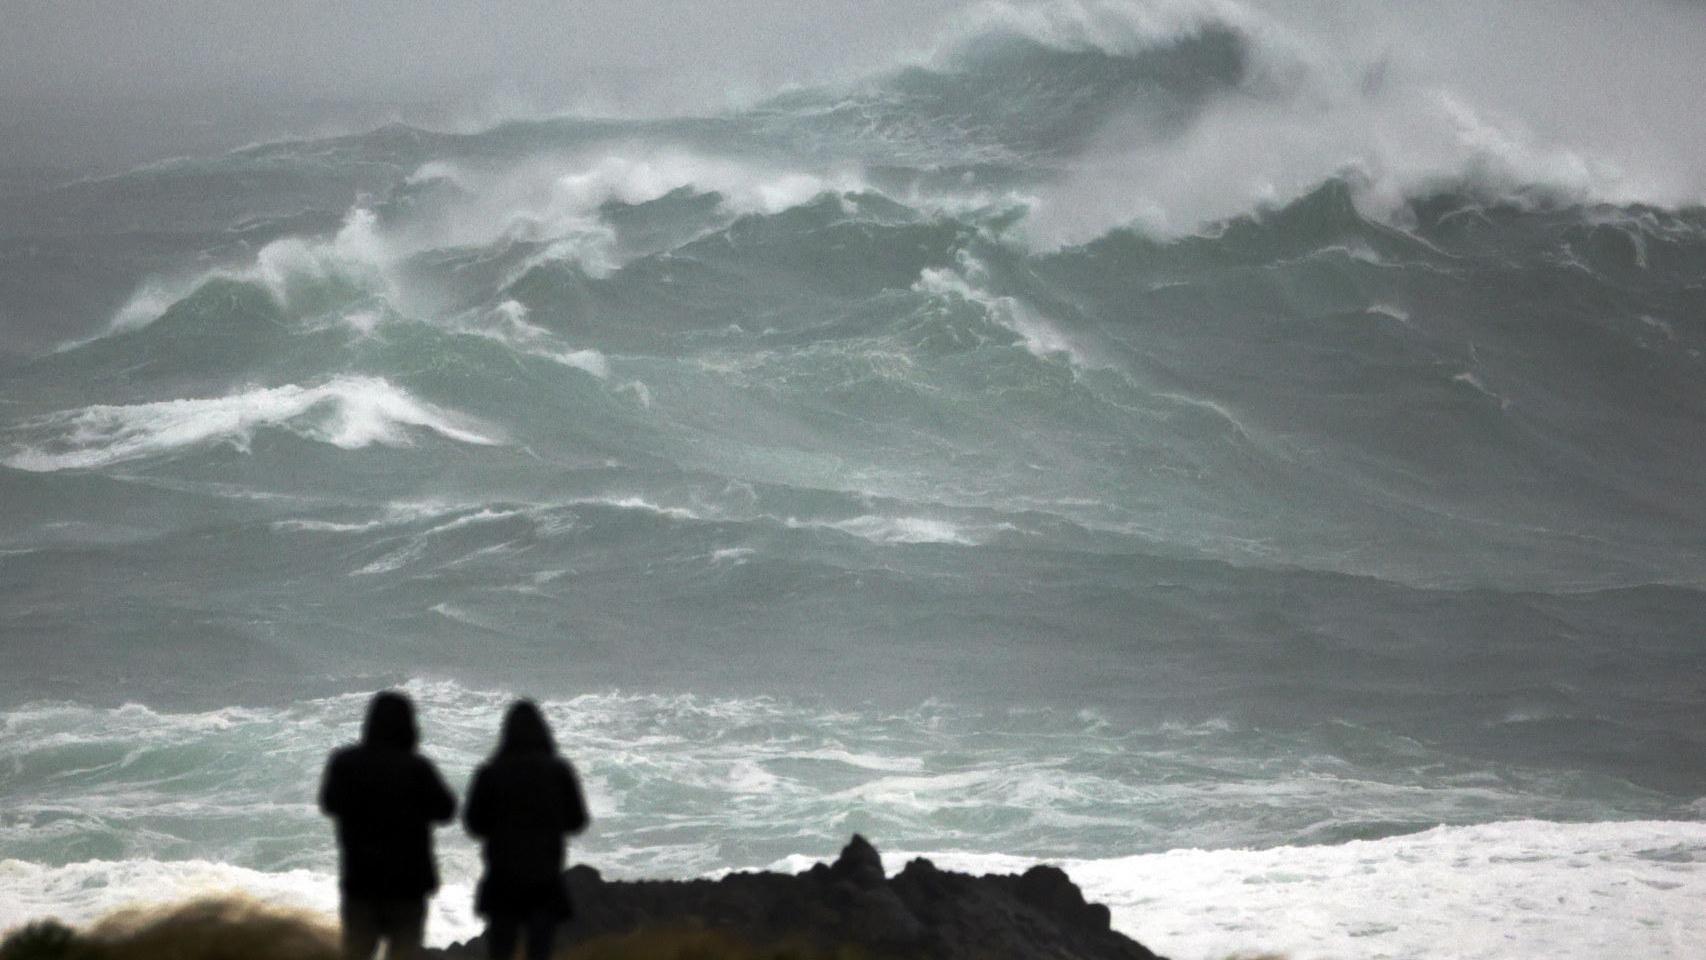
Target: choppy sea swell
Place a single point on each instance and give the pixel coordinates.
(1325, 576)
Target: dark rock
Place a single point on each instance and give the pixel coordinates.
(1050, 890)
(879, 917)
(859, 863)
(923, 912)
(42, 940)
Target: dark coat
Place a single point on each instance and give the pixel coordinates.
(523, 804)
(385, 798)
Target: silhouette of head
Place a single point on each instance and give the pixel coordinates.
(390, 722)
(525, 731)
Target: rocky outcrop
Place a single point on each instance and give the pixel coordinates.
(920, 912)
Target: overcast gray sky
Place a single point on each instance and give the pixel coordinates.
(631, 54)
(398, 48)
(97, 86)
(159, 77)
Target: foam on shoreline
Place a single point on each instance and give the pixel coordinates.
(1514, 889)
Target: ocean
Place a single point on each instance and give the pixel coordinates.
(1312, 560)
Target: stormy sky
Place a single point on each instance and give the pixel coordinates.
(636, 54)
(97, 84)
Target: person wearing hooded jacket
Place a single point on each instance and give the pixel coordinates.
(385, 798)
(523, 804)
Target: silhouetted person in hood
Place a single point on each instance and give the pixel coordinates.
(524, 802)
(385, 798)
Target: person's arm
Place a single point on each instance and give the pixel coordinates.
(476, 818)
(333, 789)
(575, 817)
(437, 802)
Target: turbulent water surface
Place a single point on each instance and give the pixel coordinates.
(1329, 576)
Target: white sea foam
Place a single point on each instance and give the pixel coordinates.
(551, 198)
(1389, 311)
(627, 502)
(591, 361)
(483, 515)
(458, 615)
(437, 170)
(879, 529)
(508, 324)
(1109, 26)
(1214, 406)
(1393, 94)
(968, 280)
(405, 550)
(346, 412)
(556, 200)
(1496, 891)
(392, 561)
(326, 526)
(183, 796)
(642, 393)
(865, 761)
(395, 513)
(290, 269)
(744, 186)
(152, 299)
(356, 253)
(1468, 377)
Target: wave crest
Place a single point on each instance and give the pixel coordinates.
(346, 412)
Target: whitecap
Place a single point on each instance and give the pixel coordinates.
(508, 324)
(637, 503)
(879, 529)
(1473, 381)
(966, 281)
(288, 268)
(326, 526)
(347, 412)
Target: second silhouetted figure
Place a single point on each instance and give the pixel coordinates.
(524, 802)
